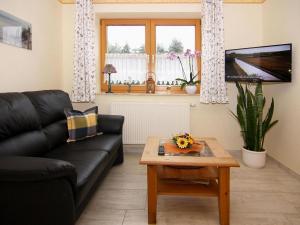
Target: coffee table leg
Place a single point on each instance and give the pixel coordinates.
(152, 193)
(224, 199)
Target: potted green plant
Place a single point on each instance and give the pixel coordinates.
(188, 83)
(254, 126)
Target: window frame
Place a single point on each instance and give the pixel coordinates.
(150, 49)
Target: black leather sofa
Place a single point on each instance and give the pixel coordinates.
(43, 179)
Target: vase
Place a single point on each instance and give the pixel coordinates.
(254, 159)
(190, 89)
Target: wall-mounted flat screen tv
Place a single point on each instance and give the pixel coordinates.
(267, 64)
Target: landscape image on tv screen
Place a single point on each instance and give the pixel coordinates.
(270, 63)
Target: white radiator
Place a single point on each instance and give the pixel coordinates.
(152, 119)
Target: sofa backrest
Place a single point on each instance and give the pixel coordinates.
(20, 128)
(50, 106)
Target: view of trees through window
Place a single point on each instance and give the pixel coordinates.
(126, 39)
(175, 46)
(116, 48)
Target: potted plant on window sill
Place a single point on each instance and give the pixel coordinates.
(249, 114)
(190, 84)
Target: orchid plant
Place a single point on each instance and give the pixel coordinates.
(192, 57)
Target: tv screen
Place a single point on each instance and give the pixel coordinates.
(267, 63)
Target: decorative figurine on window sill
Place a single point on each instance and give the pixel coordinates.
(129, 84)
(150, 83)
(109, 69)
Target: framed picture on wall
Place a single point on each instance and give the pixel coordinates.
(15, 31)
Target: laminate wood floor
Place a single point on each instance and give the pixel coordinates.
(269, 196)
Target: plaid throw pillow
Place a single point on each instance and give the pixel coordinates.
(82, 125)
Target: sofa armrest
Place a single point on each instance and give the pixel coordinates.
(21, 169)
(110, 124)
(35, 191)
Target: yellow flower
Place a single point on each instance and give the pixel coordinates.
(191, 141)
(182, 142)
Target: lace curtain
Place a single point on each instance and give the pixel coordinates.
(168, 70)
(129, 66)
(213, 86)
(84, 83)
(134, 67)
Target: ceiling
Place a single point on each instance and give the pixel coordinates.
(158, 1)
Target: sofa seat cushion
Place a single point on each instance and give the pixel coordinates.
(89, 164)
(109, 143)
(85, 162)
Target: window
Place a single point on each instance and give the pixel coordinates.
(138, 47)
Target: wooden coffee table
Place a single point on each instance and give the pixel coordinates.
(189, 175)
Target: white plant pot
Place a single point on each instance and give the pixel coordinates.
(254, 159)
(191, 89)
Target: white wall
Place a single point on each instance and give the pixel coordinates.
(281, 20)
(22, 69)
(243, 28)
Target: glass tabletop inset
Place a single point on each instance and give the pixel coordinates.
(205, 152)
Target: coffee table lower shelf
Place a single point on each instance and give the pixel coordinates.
(169, 187)
(174, 180)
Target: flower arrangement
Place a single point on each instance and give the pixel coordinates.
(192, 56)
(183, 141)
